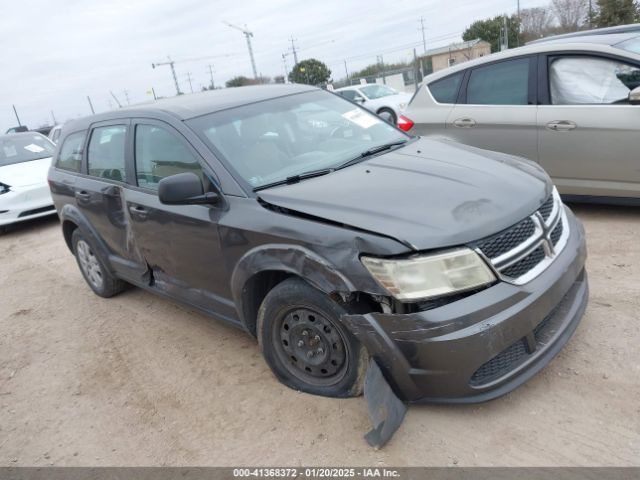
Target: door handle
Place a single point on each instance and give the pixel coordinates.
(82, 195)
(464, 122)
(138, 211)
(561, 125)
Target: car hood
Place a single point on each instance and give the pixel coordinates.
(25, 173)
(428, 194)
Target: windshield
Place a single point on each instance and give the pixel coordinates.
(17, 148)
(377, 91)
(270, 141)
(632, 45)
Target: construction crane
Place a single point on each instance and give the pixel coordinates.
(248, 36)
(171, 63)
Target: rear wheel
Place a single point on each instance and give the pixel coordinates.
(101, 281)
(305, 344)
(388, 115)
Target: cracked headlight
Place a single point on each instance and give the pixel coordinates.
(429, 276)
(3, 188)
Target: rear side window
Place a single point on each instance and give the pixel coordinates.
(159, 154)
(105, 156)
(446, 89)
(504, 83)
(70, 156)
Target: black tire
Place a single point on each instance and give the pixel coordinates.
(393, 118)
(109, 285)
(338, 361)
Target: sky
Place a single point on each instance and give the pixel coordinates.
(55, 54)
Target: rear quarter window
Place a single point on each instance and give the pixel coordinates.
(70, 155)
(446, 89)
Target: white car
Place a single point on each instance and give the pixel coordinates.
(379, 99)
(25, 159)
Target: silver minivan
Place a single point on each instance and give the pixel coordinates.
(570, 103)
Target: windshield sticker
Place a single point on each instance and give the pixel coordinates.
(32, 147)
(10, 151)
(360, 118)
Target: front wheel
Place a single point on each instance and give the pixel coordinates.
(306, 345)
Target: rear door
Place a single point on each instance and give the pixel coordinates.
(496, 109)
(99, 194)
(588, 132)
(180, 243)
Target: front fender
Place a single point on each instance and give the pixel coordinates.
(293, 259)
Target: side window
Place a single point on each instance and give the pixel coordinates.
(105, 155)
(504, 83)
(446, 89)
(349, 94)
(160, 153)
(591, 80)
(70, 156)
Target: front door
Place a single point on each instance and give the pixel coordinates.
(497, 108)
(180, 243)
(588, 131)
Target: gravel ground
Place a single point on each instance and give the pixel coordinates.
(138, 380)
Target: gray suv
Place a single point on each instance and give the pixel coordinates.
(569, 103)
(336, 239)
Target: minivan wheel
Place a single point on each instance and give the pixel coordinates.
(305, 344)
(101, 281)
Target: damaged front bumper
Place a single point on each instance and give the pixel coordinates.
(484, 345)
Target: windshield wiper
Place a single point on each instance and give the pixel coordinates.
(296, 178)
(370, 152)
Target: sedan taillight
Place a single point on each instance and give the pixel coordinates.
(404, 123)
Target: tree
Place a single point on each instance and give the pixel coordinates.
(571, 15)
(310, 72)
(240, 81)
(610, 13)
(489, 31)
(535, 23)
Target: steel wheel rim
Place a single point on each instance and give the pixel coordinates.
(310, 347)
(89, 264)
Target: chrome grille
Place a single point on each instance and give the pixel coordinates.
(521, 252)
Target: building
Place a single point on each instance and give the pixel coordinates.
(455, 53)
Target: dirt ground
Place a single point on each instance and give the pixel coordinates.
(138, 380)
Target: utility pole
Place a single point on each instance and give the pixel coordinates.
(590, 14)
(212, 86)
(424, 38)
(519, 23)
(116, 99)
(189, 80)
(90, 105)
(55, 122)
(380, 62)
(346, 72)
(293, 49)
(286, 69)
(173, 72)
(504, 43)
(248, 36)
(415, 69)
(17, 117)
(126, 96)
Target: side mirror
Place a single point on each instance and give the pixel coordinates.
(185, 189)
(358, 99)
(634, 96)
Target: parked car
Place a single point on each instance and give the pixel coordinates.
(330, 235)
(54, 134)
(18, 129)
(25, 159)
(568, 103)
(382, 100)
